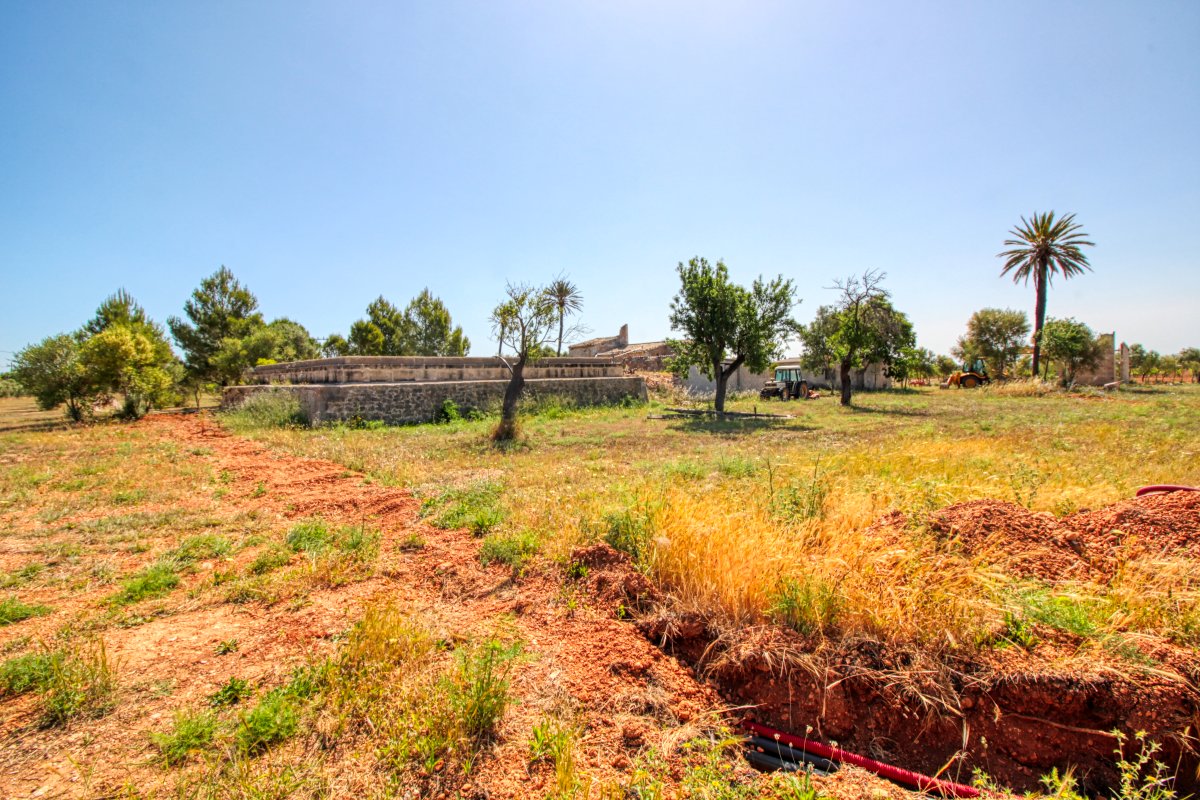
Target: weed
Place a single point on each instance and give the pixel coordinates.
(28, 673)
(308, 537)
(555, 741)
(476, 508)
(22, 576)
(1017, 631)
(82, 683)
(192, 732)
(1143, 777)
(808, 605)
(274, 719)
(200, 548)
(412, 541)
(805, 499)
(260, 489)
(14, 610)
(155, 580)
(1065, 612)
(227, 646)
(479, 690)
(448, 412)
(629, 531)
(266, 409)
(268, 560)
(512, 549)
(232, 692)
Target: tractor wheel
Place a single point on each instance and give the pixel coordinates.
(969, 382)
(802, 391)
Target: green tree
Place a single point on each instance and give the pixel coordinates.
(429, 331)
(366, 339)
(1042, 247)
(1071, 345)
(1189, 359)
(946, 366)
(126, 358)
(861, 329)
(335, 345)
(726, 325)
(221, 309)
(997, 335)
(525, 321)
(1169, 366)
(913, 362)
(1143, 362)
(567, 300)
(51, 372)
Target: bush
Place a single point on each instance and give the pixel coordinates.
(629, 532)
(448, 412)
(230, 694)
(14, 610)
(10, 388)
(268, 408)
(270, 559)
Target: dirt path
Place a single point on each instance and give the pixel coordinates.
(578, 656)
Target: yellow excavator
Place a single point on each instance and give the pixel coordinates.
(971, 376)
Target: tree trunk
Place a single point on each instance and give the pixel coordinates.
(512, 396)
(560, 332)
(845, 376)
(723, 381)
(1039, 313)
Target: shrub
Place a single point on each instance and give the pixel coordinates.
(448, 412)
(274, 719)
(193, 732)
(14, 610)
(154, 581)
(268, 408)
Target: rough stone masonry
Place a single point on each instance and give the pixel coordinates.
(405, 390)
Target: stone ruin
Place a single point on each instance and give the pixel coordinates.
(412, 389)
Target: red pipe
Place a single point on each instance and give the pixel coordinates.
(1166, 487)
(908, 778)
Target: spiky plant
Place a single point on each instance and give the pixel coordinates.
(1041, 247)
(567, 300)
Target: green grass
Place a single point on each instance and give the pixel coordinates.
(12, 609)
(82, 683)
(193, 732)
(31, 672)
(232, 692)
(274, 719)
(268, 560)
(513, 549)
(202, 547)
(308, 537)
(155, 580)
(477, 508)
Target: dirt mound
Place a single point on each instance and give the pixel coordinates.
(1011, 537)
(1164, 524)
(611, 580)
(1089, 544)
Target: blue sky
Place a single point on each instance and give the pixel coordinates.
(332, 152)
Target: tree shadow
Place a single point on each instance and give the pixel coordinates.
(731, 426)
(898, 412)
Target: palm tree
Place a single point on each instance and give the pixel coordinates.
(567, 300)
(1042, 247)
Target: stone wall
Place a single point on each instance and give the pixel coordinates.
(401, 369)
(412, 402)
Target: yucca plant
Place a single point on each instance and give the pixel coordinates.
(1044, 245)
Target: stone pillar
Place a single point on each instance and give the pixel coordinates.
(1124, 376)
(622, 337)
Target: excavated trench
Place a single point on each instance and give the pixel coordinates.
(1013, 714)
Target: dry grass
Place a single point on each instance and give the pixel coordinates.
(731, 512)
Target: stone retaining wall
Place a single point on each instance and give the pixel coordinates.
(411, 402)
(400, 369)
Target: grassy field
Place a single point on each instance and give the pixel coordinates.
(739, 519)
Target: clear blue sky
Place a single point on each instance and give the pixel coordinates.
(331, 152)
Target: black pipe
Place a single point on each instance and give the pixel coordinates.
(788, 753)
(772, 763)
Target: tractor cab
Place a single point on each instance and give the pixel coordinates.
(788, 383)
(973, 374)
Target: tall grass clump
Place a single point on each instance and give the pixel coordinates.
(267, 408)
(192, 732)
(82, 683)
(13, 609)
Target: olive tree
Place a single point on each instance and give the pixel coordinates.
(726, 325)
